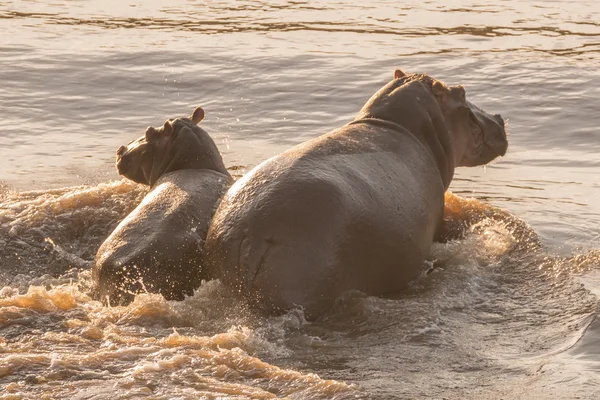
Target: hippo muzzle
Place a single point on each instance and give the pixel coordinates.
(493, 129)
(131, 160)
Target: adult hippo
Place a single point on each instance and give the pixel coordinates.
(357, 208)
(157, 248)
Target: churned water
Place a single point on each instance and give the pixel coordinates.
(507, 312)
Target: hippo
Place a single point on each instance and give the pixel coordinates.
(157, 248)
(355, 209)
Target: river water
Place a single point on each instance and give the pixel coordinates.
(508, 312)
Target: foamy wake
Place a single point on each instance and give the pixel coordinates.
(58, 342)
(152, 347)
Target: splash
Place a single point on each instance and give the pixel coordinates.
(50, 232)
(495, 304)
(461, 214)
(150, 348)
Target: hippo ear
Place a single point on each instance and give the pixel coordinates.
(439, 89)
(198, 115)
(167, 128)
(399, 74)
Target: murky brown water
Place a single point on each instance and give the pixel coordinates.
(507, 314)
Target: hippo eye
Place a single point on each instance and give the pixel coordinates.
(151, 133)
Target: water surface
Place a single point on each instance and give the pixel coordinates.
(507, 314)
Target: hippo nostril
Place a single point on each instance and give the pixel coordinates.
(499, 119)
(121, 150)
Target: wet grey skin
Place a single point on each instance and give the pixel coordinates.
(157, 248)
(355, 209)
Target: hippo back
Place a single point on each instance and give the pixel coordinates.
(158, 246)
(355, 209)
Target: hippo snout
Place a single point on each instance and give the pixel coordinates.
(501, 147)
(122, 164)
(498, 140)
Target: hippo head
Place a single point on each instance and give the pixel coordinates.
(178, 144)
(477, 137)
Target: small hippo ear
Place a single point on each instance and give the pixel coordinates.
(198, 115)
(167, 128)
(399, 74)
(438, 88)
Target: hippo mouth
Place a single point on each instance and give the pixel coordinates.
(499, 149)
(497, 142)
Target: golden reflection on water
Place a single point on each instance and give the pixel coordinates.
(119, 344)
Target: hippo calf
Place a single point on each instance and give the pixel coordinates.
(157, 248)
(355, 209)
